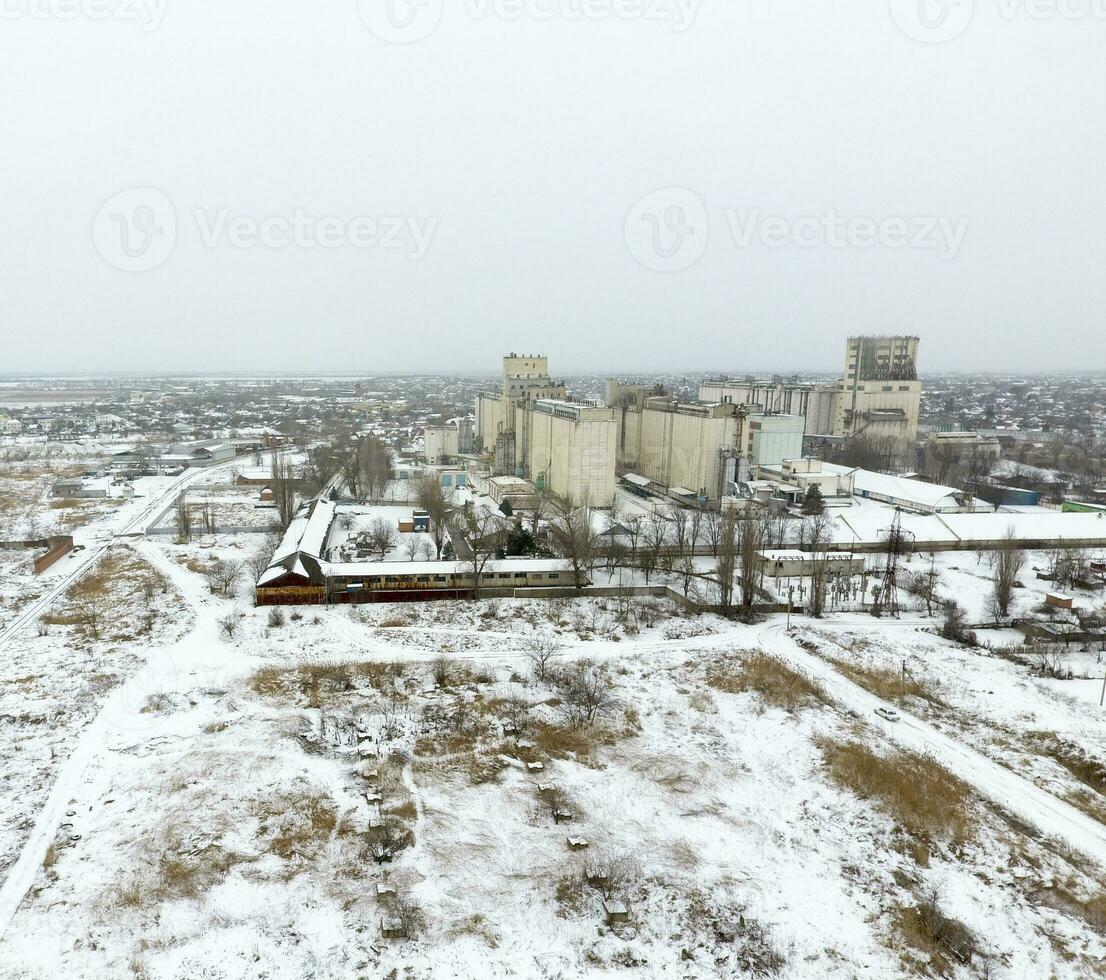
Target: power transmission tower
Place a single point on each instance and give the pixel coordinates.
(899, 542)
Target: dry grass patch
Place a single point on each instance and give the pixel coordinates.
(916, 791)
(1087, 769)
(562, 742)
(297, 826)
(320, 684)
(774, 680)
(945, 942)
(887, 683)
(1067, 897)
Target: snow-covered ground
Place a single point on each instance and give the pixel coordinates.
(212, 819)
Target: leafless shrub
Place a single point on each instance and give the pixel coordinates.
(613, 876)
(230, 623)
(223, 575)
(954, 627)
(276, 618)
(544, 651)
(586, 690)
(926, 928)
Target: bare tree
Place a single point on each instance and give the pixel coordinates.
(543, 652)
(1009, 561)
(183, 519)
(816, 531)
(229, 624)
(223, 575)
(259, 561)
(432, 498)
(89, 606)
(486, 536)
(924, 585)
(613, 876)
(575, 539)
(381, 537)
(712, 530)
(370, 469)
(726, 563)
(752, 529)
(282, 484)
(541, 504)
(414, 547)
(654, 538)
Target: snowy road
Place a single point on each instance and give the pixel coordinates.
(1039, 808)
(97, 539)
(121, 721)
(123, 711)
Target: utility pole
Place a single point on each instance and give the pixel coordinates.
(790, 594)
(1102, 700)
(902, 682)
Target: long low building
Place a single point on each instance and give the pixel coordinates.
(302, 571)
(867, 529)
(792, 563)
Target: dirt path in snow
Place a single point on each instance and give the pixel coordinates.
(121, 719)
(1039, 808)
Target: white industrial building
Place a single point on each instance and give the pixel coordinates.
(878, 395)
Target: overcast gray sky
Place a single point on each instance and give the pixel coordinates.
(623, 184)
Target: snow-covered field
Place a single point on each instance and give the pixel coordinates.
(210, 815)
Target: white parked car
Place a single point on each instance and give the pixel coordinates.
(890, 714)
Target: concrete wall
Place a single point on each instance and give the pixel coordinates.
(491, 419)
(59, 548)
(683, 450)
(441, 442)
(770, 439)
(576, 456)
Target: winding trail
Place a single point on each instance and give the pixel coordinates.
(1039, 808)
(121, 719)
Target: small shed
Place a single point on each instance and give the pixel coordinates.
(562, 816)
(577, 844)
(1059, 600)
(535, 766)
